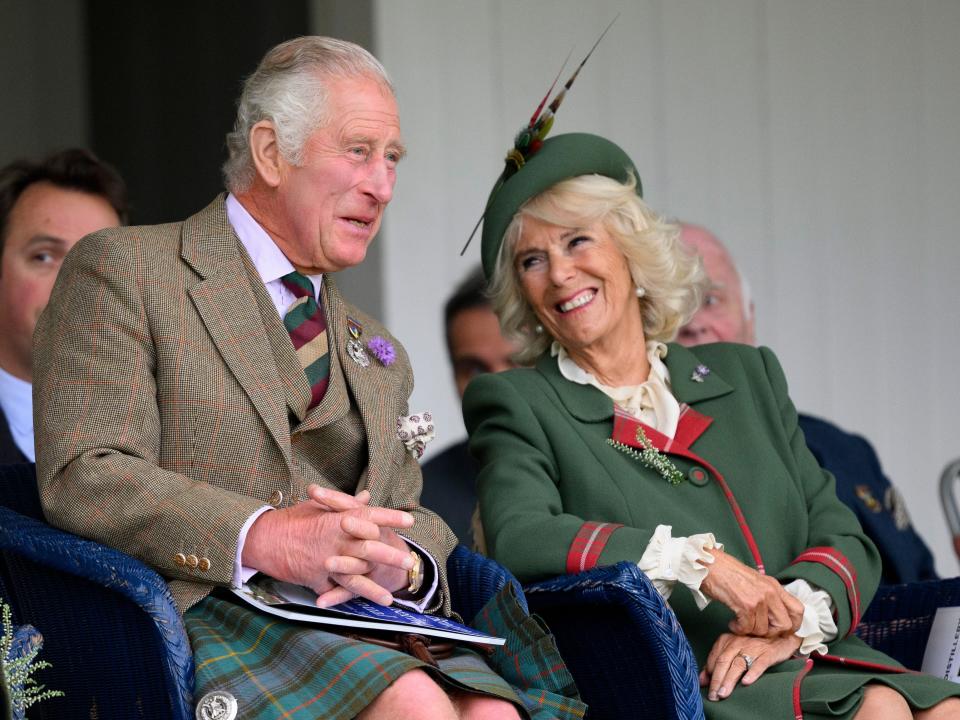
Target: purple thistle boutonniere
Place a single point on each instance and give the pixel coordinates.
(382, 350)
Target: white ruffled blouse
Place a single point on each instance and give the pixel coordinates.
(668, 560)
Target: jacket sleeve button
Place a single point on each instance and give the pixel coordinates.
(180, 559)
(192, 561)
(204, 564)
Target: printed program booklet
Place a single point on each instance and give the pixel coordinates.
(296, 602)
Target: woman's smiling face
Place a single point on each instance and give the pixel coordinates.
(578, 283)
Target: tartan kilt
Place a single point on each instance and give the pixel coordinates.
(280, 668)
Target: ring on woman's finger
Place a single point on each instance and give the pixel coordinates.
(748, 660)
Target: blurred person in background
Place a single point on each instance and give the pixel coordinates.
(46, 206)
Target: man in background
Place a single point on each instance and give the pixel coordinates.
(475, 346)
(727, 315)
(45, 207)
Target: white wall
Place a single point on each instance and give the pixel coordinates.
(819, 139)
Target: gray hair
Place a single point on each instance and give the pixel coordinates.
(288, 88)
(671, 276)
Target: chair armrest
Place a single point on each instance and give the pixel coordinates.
(899, 618)
(622, 643)
(474, 579)
(95, 605)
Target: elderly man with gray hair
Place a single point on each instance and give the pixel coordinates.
(727, 315)
(208, 402)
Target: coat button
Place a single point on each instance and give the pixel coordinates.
(698, 476)
(192, 561)
(276, 499)
(204, 564)
(180, 559)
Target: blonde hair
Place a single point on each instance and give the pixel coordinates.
(671, 276)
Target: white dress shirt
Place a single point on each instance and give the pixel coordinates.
(16, 399)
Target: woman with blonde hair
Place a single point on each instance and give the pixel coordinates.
(621, 445)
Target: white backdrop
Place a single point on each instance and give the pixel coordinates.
(820, 140)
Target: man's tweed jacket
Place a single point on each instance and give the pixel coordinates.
(169, 404)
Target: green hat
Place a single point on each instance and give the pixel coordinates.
(558, 158)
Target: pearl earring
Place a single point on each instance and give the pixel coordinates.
(538, 329)
(640, 292)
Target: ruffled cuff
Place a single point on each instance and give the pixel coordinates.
(817, 627)
(668, 560)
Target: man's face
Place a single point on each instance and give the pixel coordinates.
(329, 209)
(722, 317)
(43, 225)
(476, 345)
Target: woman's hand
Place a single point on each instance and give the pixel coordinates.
(736, 658)
(761, 605)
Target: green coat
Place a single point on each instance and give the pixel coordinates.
(549, 474)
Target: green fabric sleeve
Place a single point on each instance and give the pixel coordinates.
(521, 505)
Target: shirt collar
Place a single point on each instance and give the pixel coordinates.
(268, 259)
(656, 351)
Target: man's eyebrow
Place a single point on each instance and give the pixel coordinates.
(399, 148)
(46, 240)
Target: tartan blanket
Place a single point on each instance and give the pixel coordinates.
(295, 671)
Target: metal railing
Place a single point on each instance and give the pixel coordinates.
(950, 499)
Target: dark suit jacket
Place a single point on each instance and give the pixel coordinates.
(450, 489)
(9, 452)
(862, 485)
(170, 404)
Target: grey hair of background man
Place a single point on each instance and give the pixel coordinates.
(288, 88)
(746, 298)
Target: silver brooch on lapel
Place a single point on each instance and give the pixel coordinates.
(355, 348)
(699, 373)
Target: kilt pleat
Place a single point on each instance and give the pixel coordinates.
(284, 669)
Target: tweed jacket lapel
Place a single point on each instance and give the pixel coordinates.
(227, 303)
(370, 389)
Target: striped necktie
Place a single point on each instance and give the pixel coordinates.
(308, 331)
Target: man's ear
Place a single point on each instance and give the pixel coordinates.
(751, 325)
(266, 153)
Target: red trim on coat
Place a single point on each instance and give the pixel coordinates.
(691, 425)
(797, 710)
(864, 664)
(585, 550)
(834, 560)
